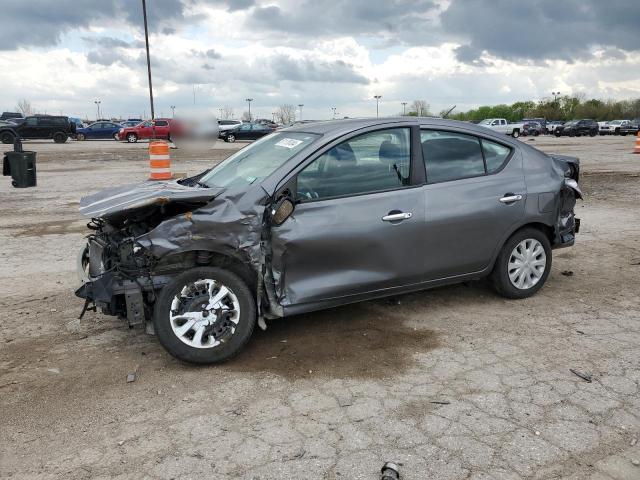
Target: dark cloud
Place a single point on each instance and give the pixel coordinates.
(103, 57)
(107, 42)
(541, 29)
(211, 53)
(309, 70)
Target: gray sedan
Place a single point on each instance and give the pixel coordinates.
(320, 215)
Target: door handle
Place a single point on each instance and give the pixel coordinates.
(397, 217)
(510, 198)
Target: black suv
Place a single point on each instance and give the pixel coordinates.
(41, 126)
(576, 128)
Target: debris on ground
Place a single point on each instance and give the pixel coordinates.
(580, 332)
(636, 462)
(567, 273)
(440, 402)
(131, 377)
(633, 442)
(390, 471)
(587, 377)
(635, 261)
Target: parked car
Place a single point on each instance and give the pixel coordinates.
(604, 128)
(228, 124)
(8, 115)
(630, 128)
(58, 128)
(541, 121)
(502, 126)
(532, 128)
(322, 215)
(615, 126)
(576, 128)
(159, 128)
(98, 130)
(246, 131)
(131, 122)
(551, 126)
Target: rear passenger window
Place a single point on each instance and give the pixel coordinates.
(370, 162)
(451, 156)
(161, 123)
(495, 155)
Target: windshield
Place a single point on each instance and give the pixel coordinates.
(258, 160)
(572, 122)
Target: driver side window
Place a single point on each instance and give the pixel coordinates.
(371, 162)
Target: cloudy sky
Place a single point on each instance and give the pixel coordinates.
(64, 54)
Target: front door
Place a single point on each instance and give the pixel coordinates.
(358, 225)
(475, 195)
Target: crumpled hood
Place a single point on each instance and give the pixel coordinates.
(117, 200)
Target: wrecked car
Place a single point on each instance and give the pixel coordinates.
(321, 215)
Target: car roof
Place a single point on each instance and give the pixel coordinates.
(338, 127)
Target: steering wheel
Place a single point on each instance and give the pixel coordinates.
(305, 191)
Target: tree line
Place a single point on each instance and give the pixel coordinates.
(563, 108)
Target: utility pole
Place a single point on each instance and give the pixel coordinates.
(301, 105)
(173, 111)
(249, 100)
(97, 102)
(404, 108)
(334, 112)
(146, 40)
(377, 97)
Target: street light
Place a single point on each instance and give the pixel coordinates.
(146, 42)
(377, 97)
(334, 112)
(249, 100)
(404, 108)
(173, 111)
(555, 96)
(301, 105)
(97, 102)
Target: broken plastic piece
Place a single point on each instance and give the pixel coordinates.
(390, 471)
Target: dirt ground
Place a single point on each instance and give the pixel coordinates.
(452, 383)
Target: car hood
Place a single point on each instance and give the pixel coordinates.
(120, 201)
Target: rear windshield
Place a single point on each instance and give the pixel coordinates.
(258, 160)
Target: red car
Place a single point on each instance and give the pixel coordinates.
(164, 128)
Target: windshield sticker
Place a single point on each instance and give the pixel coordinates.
(288, 143)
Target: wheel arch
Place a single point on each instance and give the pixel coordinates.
(543, 227)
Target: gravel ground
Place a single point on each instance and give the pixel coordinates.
(452, 383)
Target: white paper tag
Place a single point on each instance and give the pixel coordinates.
(288, 143)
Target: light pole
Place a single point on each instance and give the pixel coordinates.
(334, 112)
(97, 102)
(273, 117)
(173, 111)
(404, 108)
(249, 100)
(146, 41)
(555, 96)
(377, 97)
(301, 105)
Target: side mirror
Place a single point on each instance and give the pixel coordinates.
(281, 211)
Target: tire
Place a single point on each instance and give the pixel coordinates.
(500, 278)
(592, 133)
(515, 133)
(132, 137)
(557, 133)
(7, 137)
(536, 133)
(239, 297)
(80, 137)
(60, 137)
(115, 136)
(230, 138)
(624, 134)
(617, 131)
(574, 134)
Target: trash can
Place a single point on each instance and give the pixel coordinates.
(22, 168)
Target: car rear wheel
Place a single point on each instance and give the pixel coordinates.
(205, 315)
(7, 137)
(115, 136)
(593, 133)
(80, 136)
(230, 138)
(515, 133)
(132, 138)
(59, 137)
(523, 265)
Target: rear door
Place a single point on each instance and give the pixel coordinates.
(475, 194)
(29, 128)
(359, 222)
(162, 128)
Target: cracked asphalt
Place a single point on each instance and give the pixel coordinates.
(451, 383)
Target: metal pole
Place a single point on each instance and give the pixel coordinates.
(146, 40)
(377, 97)
(404, 108)
(301, 105)
(249, 100)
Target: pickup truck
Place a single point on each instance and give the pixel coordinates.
(502, 126)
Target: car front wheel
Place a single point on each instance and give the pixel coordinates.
(132, 138)
(60, 137)
(205, 315)
(523, 265)
(7, 137)
(230, 138)
(80, 137)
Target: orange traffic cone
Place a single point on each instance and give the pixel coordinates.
(159, 161)
(637, 149)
